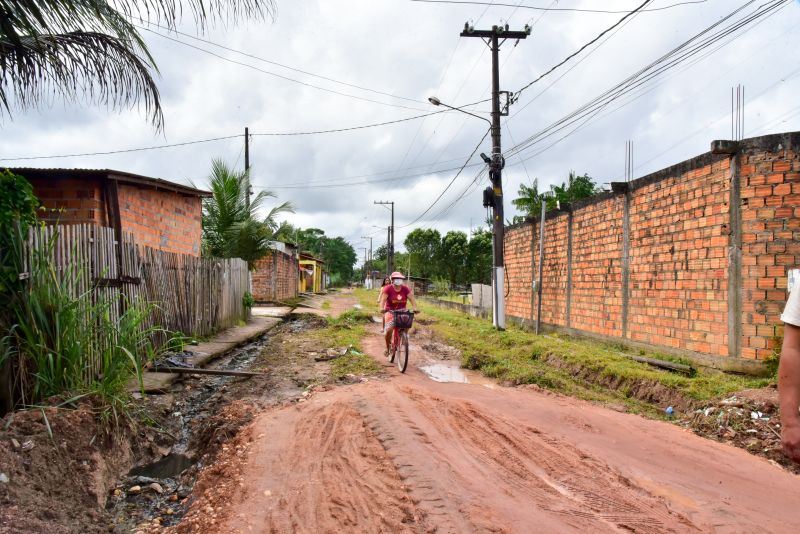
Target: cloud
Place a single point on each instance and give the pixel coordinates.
(414, 51)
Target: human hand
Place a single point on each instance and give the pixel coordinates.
(790, 437)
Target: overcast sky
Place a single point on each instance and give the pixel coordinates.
(413, 50)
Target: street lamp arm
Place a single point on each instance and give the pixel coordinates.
(436, 102)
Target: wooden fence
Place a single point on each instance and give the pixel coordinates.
(194, 296)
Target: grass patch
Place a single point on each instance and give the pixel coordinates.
(347, 330)
(326, 305)
(580, 368)
(354, 363)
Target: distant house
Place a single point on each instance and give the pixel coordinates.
(160, 214)
(313, 277)
(275, 277)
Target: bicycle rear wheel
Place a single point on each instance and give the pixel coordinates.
(402, 353)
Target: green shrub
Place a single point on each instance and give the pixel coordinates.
(69, 343)
(247, 300)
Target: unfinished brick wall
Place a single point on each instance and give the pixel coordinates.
(164, 220)
(70, 200)
(770, 191)
(275, 277)
(678, 257)
(691, 259)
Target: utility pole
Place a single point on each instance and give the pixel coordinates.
(369, 259)
(247, 163)
(390, 238)
(494, 38)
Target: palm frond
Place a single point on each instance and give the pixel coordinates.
(28, 17)
(76, 65)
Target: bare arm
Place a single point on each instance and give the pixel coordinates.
(412, 299)
(382, 301)
(789, 391)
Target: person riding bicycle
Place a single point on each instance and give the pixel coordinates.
(394, 297)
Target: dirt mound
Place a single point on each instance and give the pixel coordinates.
(60, 466)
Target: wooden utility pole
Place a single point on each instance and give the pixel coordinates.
(369, 258)
(247, 164)
(494, 38)
(390, 239)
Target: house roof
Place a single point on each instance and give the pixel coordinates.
(111, 174)
(305, 256)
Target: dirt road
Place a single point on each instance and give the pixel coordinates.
(408, 454)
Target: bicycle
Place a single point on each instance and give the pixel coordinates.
(403, 320)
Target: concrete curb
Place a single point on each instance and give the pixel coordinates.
(207, 351)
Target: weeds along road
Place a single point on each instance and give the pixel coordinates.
(407, 454)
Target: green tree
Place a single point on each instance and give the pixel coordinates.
(479, 257)
(452, 257)
(91, 48)
(231, 228)
(529, 200)
(422, 245)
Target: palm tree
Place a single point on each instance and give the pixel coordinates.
(231, 227)
(92, 49)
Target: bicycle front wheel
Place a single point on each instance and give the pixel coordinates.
(402, 353)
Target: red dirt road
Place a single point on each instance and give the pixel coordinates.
(411, 455)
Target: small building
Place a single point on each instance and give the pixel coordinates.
(160, 214)
(275, 277)
(313, 277)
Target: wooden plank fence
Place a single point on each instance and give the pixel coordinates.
(194, 296)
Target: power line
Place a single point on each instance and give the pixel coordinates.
(185, 143)
(270, 62)
(421, 215)
(563, 9)
(581, 49)
(267, 134)
(281, 76)
(644, 75)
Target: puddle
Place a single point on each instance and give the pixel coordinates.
(440, 372)
(451, 372)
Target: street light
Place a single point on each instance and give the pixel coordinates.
(493, 196)
(436, 102)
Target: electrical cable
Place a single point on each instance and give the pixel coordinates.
(270, 62)
(281, 76)
(421, 215)
(636, 80)
(581, 49)
(547, 9)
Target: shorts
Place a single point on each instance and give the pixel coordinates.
(388, 320)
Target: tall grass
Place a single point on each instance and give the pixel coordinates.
(68, 343)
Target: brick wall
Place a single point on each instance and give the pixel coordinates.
(275, 277)
(669, 261)
(162, 219)
(770, 183)
(70, 200)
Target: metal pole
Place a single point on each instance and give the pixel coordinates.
(541, 267)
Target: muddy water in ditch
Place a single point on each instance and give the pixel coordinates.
(174, 474)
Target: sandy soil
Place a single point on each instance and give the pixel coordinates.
(408, 454)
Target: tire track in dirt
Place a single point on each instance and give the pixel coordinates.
(328, 473)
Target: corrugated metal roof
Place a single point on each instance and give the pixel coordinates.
(111, 174)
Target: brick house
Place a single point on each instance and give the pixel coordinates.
(275, 277)
(160, 214)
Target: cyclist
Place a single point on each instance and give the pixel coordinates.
(394, 297)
